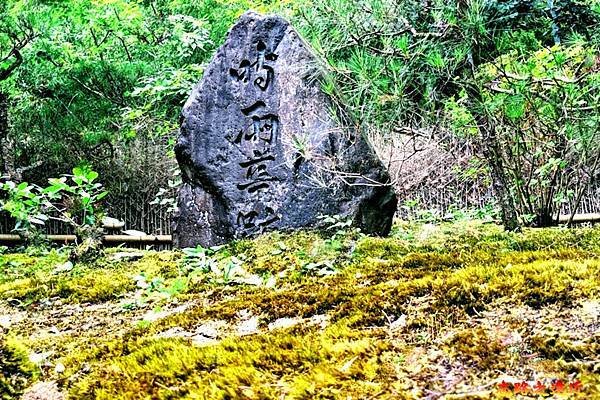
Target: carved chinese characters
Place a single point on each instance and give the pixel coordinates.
(256, 141)
(238, 148)
(260, 73)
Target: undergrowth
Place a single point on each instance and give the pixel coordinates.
(402, 313)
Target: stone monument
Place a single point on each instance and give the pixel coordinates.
(261, 147)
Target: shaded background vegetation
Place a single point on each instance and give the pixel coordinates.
(457, 96)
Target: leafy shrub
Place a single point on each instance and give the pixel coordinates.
(74, 199)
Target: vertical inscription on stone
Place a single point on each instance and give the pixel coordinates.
(255, 141)
(238, 145)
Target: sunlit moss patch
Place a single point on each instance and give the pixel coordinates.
(451, 309)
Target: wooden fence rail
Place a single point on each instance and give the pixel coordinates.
(154, 242)
(167, 240)
(108, 239)
(155, 221)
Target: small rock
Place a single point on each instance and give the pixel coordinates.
(126, 256)
(427, 231)
(346, 367)
(201, 340)
(210, 329)
(176, 332)
(153, 316)
(253, 280)
(65, 267)
(271, 282)
(248, 327)
(591, 309)
(244, 314)
(399, 323)
(512, 338)
(283, 323)
(112, 223)
(39, 358)
(59, 368)
(321, 320)
(5, 321)
(133, 232)
(43, 391)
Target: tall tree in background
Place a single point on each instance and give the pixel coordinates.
(104, 82)
(15, 35)
(478, 70)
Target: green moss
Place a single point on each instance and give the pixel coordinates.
(440, 279)
(100, 285)
(381, 287)
(382, 248)
(16, 372)
(536, 283)
(557, 347)
(22, 266)
(163, 264)
(276, 252)
(554, 238)
(101, 280)
(477, 348)
(302, 363)
(431, 261)
(81, 284)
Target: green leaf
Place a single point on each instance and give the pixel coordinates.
(91, 176)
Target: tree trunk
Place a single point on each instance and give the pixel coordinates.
(490, 147)
(3, 126)
(9, 169)
(544, 219)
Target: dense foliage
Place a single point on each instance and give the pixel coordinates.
(104, 81)
(519, 79)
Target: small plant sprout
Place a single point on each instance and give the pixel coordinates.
(155, 290)
(339, 225)
(321, 268)
(200, 259)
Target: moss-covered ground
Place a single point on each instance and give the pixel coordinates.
(434, 311)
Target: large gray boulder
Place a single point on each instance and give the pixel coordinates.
(261, 147)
